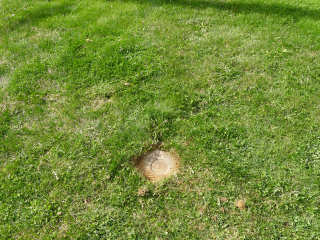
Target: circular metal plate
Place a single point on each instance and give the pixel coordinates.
(157, 165)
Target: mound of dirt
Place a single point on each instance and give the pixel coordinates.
(157, 165)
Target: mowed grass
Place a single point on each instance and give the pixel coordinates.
(231, 86)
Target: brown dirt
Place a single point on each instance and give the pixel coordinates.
(241, 204)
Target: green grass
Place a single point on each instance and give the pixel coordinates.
(232, 86)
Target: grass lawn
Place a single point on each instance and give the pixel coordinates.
(231, 86)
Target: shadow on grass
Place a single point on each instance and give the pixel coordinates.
(37, 14)
(47, 10)
(279, 9)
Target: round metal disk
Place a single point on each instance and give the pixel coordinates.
(157, 165)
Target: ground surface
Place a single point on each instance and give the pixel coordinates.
(231, 86)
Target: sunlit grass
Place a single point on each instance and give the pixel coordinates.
(231, 86)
